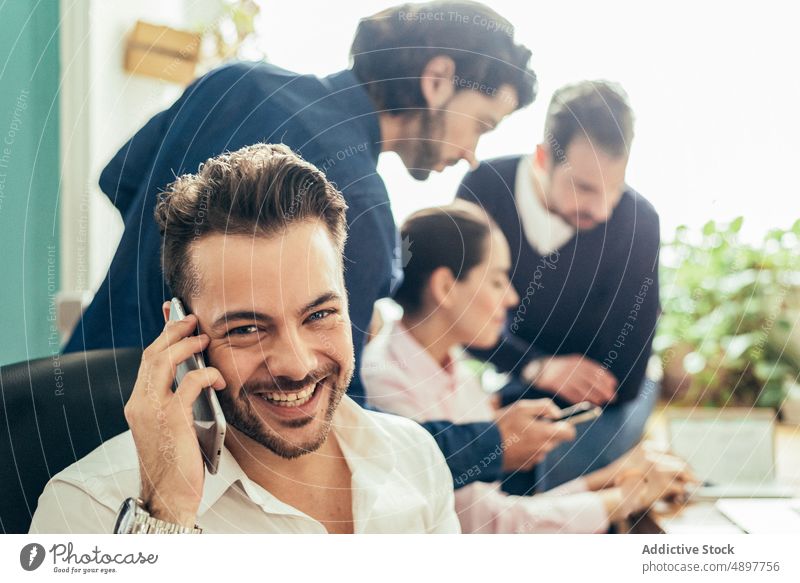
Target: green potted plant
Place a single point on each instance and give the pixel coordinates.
(729, 334)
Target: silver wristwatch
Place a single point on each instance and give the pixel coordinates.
(133, 518)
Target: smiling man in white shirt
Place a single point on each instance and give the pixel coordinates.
(253, 246)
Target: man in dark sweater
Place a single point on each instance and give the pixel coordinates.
(585, 248)
(426, 81)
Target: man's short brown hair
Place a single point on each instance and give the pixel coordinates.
(256, 191)
(596, 110)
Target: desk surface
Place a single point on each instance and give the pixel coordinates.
(702, 517)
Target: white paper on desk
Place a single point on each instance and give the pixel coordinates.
(704, 529)
(726, 451)
(763, 516)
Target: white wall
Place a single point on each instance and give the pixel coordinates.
(103, 107)
(120, 104)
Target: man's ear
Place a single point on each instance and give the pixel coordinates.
(165, 309)
(437, 81)
(440, 285)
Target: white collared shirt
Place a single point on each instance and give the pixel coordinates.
(400, 484)
(544, 231)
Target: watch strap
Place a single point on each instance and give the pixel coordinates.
(146, 524)
(143, 523)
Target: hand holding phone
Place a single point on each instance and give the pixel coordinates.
(209, 421)
(529, 432)
(171, 464)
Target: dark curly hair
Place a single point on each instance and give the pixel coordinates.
(391, 49)
(258, 190)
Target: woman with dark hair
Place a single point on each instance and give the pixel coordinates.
(456, 292)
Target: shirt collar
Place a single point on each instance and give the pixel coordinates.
(228, 473)
(356, 105)
(546, 232)
(366, 447)
(404, 343)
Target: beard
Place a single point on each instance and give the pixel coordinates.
(240, 413)
(572, 218)
(428, 149)
(575, 219)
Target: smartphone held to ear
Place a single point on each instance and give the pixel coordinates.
(209, 422)
(579, 413)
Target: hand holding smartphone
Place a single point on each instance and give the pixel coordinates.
(209, 421)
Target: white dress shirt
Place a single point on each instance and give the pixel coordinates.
(400, 484)
(402, 377)
(544, 230)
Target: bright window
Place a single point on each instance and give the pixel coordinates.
(714, 87)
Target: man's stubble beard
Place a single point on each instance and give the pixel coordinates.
(240, 414)
(554, 209)
(428, 151)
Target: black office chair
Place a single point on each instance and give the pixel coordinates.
(53, 412)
